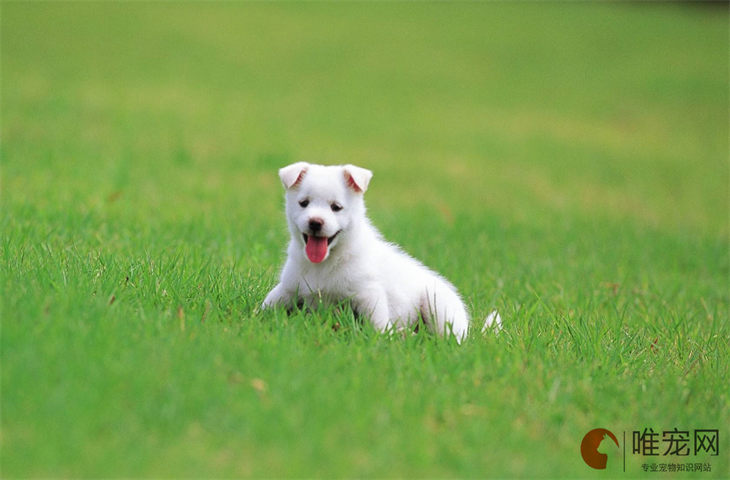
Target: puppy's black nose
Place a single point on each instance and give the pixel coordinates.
(315, 224)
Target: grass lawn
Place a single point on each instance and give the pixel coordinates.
(565, 163)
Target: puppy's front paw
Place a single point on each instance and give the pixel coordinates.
(277, 296)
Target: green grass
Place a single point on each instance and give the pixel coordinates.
(565, 163)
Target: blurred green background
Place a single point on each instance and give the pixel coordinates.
(566, 163)
(610, 110)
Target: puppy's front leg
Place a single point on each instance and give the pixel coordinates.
(374, 303)
(278, 296)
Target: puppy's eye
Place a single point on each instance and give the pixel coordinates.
(336, 207)
(304, 203)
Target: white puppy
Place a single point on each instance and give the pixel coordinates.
(336, 254)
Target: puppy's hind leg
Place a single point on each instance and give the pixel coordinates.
(443, 311)
(373, 302)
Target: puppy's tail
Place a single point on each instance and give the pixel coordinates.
(493, 323)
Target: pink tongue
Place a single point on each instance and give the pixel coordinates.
(316, 248)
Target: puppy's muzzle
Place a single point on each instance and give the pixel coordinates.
(315, 224)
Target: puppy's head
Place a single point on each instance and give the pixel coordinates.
(322, 204)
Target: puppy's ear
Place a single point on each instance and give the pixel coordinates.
(293, 174)
(357, 178)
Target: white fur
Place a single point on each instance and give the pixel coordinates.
(378, 278)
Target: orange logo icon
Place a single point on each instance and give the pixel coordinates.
(590, 447)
